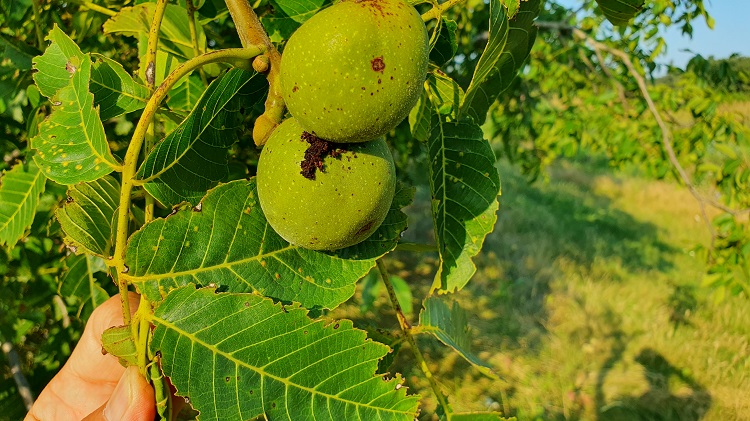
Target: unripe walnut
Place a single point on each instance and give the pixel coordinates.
(333, 205)
(354, 70)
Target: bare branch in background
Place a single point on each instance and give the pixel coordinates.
(15, 368)
(666, 133)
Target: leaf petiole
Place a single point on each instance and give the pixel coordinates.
(438, 11)
(408, 335)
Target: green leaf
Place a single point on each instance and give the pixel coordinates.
(186, 93)
(446, 45)
(20, 189)
(71, 143)
(19, 53)
(118, 341)
(89, 216)
(477, 416)
(450, 326)
(227, 241)
(444, 94)
(115, 91)
(464, 185)
(419, 117)
(508, 46)
(288, 15)
(512, 6)
(619, 12)
(193, 158)
(240, 356)
(81, 284)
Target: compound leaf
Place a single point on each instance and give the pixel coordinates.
(20, 189)
(115, 91)
(508, 46)
(89, 214)
(619, 12)
(71, 143)
(450, 326)
(464, 185)
(81, 284)
(227, 241)
(193, 158)
(239, 356)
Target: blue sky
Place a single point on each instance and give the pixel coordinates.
(731, 34)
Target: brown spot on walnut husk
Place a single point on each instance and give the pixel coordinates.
(377, 64)
(366, 227)
(316, 153)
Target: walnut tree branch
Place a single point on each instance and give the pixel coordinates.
(251, 33)
(15, 368)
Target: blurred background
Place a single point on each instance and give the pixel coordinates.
(616, 283)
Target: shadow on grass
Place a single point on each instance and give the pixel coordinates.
(547, 229)
(661, 402)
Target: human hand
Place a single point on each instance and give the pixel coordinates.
(93, 386)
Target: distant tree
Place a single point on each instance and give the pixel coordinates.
(731, 74)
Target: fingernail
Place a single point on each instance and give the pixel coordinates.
(121, 398)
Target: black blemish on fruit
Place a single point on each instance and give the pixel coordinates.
(377, 64)
(316, 153)
(295, 88)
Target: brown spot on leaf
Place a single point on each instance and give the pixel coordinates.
(377, 64)
(70, 68)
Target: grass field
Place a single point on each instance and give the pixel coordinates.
(587, 302)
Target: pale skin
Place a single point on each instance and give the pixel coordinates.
(87, 385)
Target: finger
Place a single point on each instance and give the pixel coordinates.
(88, 377)
(132, 400)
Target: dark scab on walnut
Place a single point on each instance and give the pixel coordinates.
(377, 64)
(316, 153)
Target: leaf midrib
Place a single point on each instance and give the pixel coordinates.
(264, 373)
(26, 196)
(195, 139)
(86, 95)
(224, 265)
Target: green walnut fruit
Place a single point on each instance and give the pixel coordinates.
(324, 202)
(354, 70)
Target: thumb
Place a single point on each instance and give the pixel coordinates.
(132, 400)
